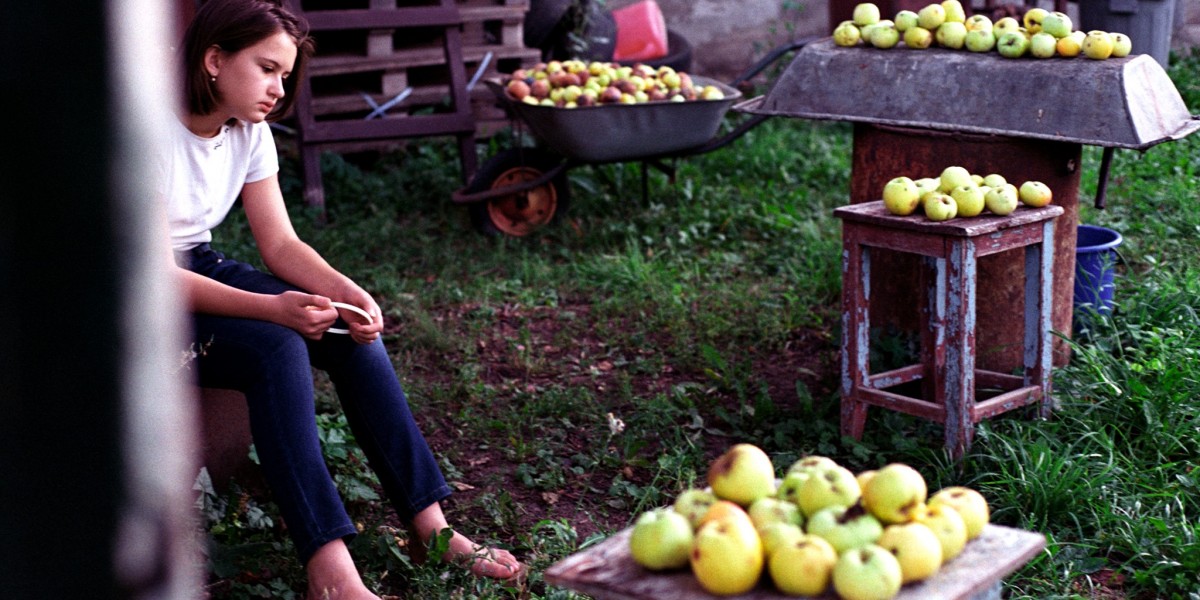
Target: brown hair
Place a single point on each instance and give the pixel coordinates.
(232, 26)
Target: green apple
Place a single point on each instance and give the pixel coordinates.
(789, 487)
(727, 557)
(938, 207)
(895, 491)
(865, 13)
(952, 177)
(804, 567)
(915, 547)
(693, 503)
(1005, 25)
(977, 22)
(777, 535)
(1033, 19)
(769, 509)
(1122, 45)
(905, 20)
(931, 16)
(810, 463)
(867, 573)
(952, 35)
(1043, 45)
(661, 539)
(928, 184)
(884, 36)
(918, 38)
(980, 40)
(970, 505)
(970, 200)
(1035, 194)
(1057, 24)
(1002, 200)
(901, 196)
(828, 486)
(1097, 45)
(1012, 44)
(845, 528)
(743, 474)
(947, 525)
(955, 13)
(847, 34)
(993, 180)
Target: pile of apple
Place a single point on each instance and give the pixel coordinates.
(574, 83)
(957, 192)
(1040, 33)
(822, 526)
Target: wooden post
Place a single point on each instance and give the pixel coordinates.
(94, 487)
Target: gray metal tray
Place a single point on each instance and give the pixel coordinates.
(620, 132)
(1121, 102)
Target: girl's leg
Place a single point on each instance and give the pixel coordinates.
(377, 410)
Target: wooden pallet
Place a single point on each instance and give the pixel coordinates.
(375, 25)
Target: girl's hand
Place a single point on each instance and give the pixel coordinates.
(309, 314)
(360, 330)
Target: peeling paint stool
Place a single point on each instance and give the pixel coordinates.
(947, 374)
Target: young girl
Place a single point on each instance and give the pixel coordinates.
(261, 331)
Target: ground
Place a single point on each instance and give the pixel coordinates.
(809, 356)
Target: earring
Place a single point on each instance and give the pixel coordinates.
(213, 79)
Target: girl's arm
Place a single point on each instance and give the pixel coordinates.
(292, 260)
(309, 314)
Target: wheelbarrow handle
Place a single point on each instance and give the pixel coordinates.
(770, 58)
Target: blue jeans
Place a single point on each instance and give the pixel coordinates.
(271, 364)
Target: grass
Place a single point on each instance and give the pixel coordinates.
(572, 379)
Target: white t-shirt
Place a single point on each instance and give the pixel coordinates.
(202, 177)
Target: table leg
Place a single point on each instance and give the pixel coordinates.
(1039, 343)
(959, 380)
(856, 295)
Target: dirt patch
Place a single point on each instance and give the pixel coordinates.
(523, 350)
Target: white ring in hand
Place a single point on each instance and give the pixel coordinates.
(351, 308)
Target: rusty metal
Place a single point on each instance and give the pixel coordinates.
(950, 253)
(1124, 102)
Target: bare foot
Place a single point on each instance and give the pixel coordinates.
(333, 576)
(484, 562)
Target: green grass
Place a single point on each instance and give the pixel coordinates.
(668, 314)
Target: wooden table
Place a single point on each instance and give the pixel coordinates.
(947, 371)
(606, 571)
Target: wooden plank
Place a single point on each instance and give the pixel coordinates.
(876, 214)
(433, 55)
(607, 572)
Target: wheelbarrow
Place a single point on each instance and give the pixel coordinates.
(523, 188)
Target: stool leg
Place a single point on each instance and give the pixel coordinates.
(1039, 300)
(856, 294)
(933, 327)
(959, 391)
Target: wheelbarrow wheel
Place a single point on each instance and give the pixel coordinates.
(522, 212)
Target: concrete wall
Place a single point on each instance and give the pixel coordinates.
(727, 36)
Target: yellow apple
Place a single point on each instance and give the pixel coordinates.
(803, 567)
(915, 547)
(970, 504)
(947, 525)
(894, 493)
(661, 540)
(727, 556)
(743, 474)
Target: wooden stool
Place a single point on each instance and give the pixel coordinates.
(947, 369)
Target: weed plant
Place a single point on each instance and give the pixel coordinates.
(701, 287)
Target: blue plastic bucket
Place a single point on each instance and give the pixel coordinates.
(1095, 262)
